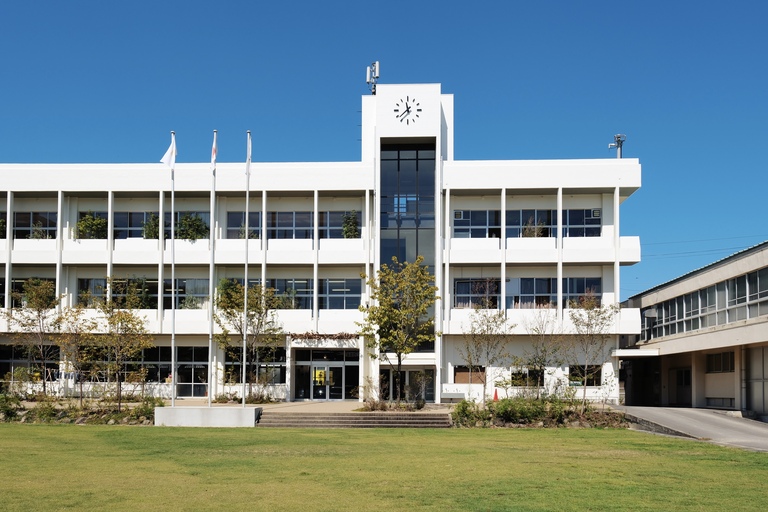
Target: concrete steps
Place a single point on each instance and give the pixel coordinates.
(355, 420)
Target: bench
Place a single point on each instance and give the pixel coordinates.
(452, 396)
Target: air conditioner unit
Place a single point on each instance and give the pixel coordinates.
(596, 214)
(458, 214)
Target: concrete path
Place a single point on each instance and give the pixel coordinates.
(303, 407)
(718, 427)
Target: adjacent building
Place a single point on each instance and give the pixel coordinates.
(704, 339)
(530, 235)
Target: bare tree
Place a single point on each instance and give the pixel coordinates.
(485, 345)
(588, 346)
(547, 348)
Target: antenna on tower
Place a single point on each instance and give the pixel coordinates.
(372, 76)
(618, 141)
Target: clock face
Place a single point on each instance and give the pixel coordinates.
(407, 110)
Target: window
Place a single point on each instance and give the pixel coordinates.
(340, 293)
(476, 224)
(290, 225)
(186, 215)
(478, 292)
(722, 362)
(296, 292)
(531, 292)
(17, 289)
(265, 365)
(331, 224)
(461, 375)
(582, 223)
(131, 224)
(3, 224)
(236, 225)
(531, 223)
(190, 293)
(576, 288)
(739, 298)
(144, 289)
(526, 377)
(35, 225)
(89, 290)
(92, 225)
(578, 375)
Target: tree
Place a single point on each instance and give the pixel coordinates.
(350, 227)
(191, 227)
(259, 326)
(591, 324)
(125, 332)
(151, 227)
(91, 226)
(399, 319)
(75, 338)
(546, 344)
(484, 345)
(32, 320)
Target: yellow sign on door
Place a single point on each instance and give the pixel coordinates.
(319, 377)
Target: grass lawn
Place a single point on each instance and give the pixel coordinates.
(68, 467)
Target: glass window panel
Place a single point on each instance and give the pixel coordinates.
(479, 217)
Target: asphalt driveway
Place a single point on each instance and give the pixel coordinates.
(719, 427)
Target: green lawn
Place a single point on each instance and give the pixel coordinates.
(68, 467)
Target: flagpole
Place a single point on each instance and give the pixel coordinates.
(247, 239)
(170, 160)
(211, 275)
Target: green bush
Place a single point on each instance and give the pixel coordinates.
(470, 414)
(44, 411)
(147, 407)
(10, 406)
(519, 410)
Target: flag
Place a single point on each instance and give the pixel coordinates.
(169, 158)
(214, 150)
(248, 157)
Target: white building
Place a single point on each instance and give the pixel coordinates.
(704, 341)
(471, 220)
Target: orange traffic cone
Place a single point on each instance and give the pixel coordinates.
(495, 395)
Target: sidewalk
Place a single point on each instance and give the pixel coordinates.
(315, 406)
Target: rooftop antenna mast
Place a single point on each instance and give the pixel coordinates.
(618, 142)
(372, 76)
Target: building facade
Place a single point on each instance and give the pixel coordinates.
(531, 235)
(704, 341)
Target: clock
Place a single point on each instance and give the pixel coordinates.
(407, 110)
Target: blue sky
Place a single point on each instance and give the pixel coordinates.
(687, 81)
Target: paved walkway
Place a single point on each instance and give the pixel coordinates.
(718, 427)
(316, 406)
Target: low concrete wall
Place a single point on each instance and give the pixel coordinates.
(207, 416)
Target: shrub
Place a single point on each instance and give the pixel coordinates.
(519, 410)
(10, 406)
(470, 414)
(147, 407)
(191, 227)
(44, 411)
(91, 226)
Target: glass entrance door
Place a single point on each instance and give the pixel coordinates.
(327, 382)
